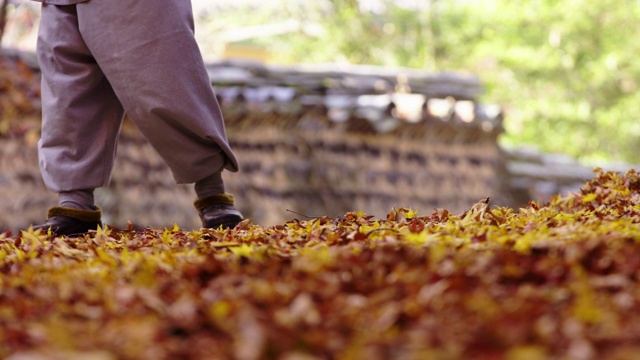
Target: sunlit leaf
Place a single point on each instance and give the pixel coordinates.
(525, 283)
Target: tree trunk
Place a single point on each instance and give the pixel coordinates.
(3, 17)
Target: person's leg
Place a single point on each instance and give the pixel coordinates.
(148, 52)
(80, 124)
(81, 115)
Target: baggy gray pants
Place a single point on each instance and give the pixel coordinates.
(102, 58)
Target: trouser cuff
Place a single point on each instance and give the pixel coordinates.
(77, 214)
(218, 199)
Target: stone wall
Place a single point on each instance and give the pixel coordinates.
(323, 141)
(310, 141)
(328, 171)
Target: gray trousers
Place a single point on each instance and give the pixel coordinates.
(102, 58)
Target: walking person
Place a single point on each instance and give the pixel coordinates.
(101, 59)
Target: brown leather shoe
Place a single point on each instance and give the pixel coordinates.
(218, 210)
(70, 221)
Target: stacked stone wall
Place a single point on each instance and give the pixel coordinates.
(310, 142)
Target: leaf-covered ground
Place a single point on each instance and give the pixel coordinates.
(557, 280)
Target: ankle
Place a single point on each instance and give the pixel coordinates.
(211, 185)
(77, 199)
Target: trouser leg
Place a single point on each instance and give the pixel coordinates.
(81, 114)
(148, 52)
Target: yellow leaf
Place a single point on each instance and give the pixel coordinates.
(585, 307)
(219, 309)
(166, 237)
(409, 214)
(242, 250)
(102, 232)
(357, 250)
(102, 255)
(20, 254)
(32, 236)
(527, 352)
(589, 198)
(417, 238)
(368, 228)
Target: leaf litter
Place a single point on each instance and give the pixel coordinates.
(554, 280)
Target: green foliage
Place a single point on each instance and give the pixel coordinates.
(570, 76)
(565, 71)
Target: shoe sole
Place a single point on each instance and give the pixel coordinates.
(227, 222)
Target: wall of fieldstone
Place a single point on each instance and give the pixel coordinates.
(310, 141)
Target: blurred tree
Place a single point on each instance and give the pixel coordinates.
(3, 16)
(565, 71)
(568, 72)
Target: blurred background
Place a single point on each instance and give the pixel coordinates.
(340, 105)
